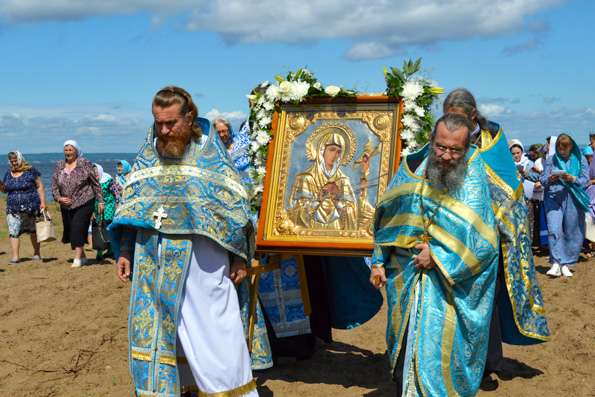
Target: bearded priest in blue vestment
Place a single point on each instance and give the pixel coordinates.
(183, 233)
(436, 250)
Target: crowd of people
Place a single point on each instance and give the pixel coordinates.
(558, 179)
(455, 253)
(85, 193)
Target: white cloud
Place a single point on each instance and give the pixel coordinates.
(492, 109)
(105, 117)
(369, 50)
(534, 127)
(376, 27)
(234, 117)
(44, 130)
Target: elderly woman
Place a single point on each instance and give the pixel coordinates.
(123, 168)
(565, 176)
(75, 187)
(26, 198)
(111, 194)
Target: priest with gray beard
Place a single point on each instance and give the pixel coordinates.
(436, 250)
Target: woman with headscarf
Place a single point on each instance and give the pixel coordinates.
(590, 216)
(111, 195)
(123, 168)
(565, 176)
(524, 166)
(75, 187)
(521, 160)
(26, 198)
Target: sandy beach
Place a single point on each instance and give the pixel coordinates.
(63, 333)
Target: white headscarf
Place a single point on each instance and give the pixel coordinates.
(75, 145)
(22, 164)
(524, 162)
(103, 176)
(552, 147)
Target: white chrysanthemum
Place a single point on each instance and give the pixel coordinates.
(261, 114)
(300, 90)
(264, 84)
(317, 85)
(261, 171)
(407, 134)
(265, 121)
(272, 92)
(262, 138)
(409, 103)
(406, 151)
(251, 97)
(332, 90)
(410, 122)
(285, 91)
(261, 101)
(268, 105)
(254, 146)
(415, 109)
(411, 90)
(258, 188)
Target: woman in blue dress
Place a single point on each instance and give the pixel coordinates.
(565, 177)
(26, 198)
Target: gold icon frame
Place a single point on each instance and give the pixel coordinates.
(349, 120)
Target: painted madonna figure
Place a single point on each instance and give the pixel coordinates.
(322, 196)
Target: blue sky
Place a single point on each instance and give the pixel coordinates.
(87, 69)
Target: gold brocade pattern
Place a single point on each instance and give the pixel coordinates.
(178, 173)
(448, 202)
(237, 392)
(448, 336)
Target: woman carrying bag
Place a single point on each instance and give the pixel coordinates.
(26, 198)
(110, 193)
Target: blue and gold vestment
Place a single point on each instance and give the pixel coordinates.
(445, 311)
(202, 195)
(520, 305)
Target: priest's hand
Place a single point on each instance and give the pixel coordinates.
(123, 267)
(423, 260)
(238, 271)
(378, 277)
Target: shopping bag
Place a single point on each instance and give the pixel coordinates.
(100, 236)
(44, 228)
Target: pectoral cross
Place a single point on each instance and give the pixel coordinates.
(426, 238)
(159, 215)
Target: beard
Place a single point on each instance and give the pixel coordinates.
(172, 146)
(446, 176)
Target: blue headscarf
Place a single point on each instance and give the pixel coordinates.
(573, 167)
(126, 168)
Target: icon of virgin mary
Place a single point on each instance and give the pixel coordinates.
(322, 196)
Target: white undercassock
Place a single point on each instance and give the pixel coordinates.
(210, 328)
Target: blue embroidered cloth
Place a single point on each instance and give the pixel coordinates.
(448, 315)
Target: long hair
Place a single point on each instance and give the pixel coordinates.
(172, 95)
(463, 99)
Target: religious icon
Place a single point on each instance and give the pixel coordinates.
(331, 163)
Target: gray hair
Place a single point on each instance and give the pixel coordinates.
(462, 98)
(222, 121)
(452, 122)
